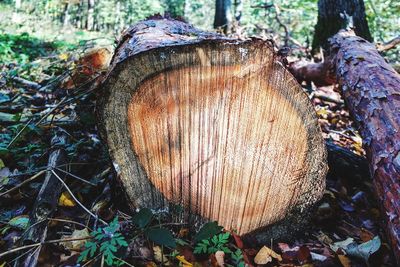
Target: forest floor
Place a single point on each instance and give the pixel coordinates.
(38, 101)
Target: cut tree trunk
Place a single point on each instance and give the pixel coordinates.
(371, 88)
(214, 124)
(334, 15)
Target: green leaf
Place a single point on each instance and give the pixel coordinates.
(143, 217)
(83, 256)
(364, 250)
(161, 236)
(20, 222)
(208, 230)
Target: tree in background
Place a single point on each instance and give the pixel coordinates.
(175, 8)
(223, 16)
(334, 15)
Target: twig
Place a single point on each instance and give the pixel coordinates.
(70, 221)
(388, 45)
(23, 183)
(76, 200)
(26, 83)
(51, 111)
(19, 133)
(76, 177)
(43, 243)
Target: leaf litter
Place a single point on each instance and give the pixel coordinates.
(345, 228)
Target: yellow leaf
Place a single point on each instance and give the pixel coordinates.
(265, 255)
(3, 264)
(344, 260)
(1, 167)
(63, 56)
(66, 200)
(183, 261)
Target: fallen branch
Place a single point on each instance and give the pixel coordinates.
(43, 243)
(26, 83)
(388, 45)
(37, 175)
(46, 200)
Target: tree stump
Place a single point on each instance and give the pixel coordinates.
(213, 124)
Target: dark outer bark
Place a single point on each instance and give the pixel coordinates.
(46, 201)
(148, 48)
(331, 20)
(223, 17)
(371, 89)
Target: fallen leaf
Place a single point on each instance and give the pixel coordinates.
(66, 200)
(238, 240)
(345, 261)
(303, 255)
(183, 232)
(20, 222)
(364, 250)
(160, 257)
(366, 235)
(75, 245)
(341, 244)
(317, 257)
(265, 255)
(184, 262)
(323, 238)
(219, 256)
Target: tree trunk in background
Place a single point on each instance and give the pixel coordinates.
(371, 88)
(212, 124)
(18, 4)
(238, 10)
(175, 8)
(66, 15)
(334, 15)
(223, 16)
(90, 15)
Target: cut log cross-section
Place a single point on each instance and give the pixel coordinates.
(214, 124)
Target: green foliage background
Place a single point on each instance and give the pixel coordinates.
(68, 20)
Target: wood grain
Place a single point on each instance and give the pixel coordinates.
(213, 124)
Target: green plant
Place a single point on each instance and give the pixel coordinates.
(107, 241)
(214, 244)
(237, 258)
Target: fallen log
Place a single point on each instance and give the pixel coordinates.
(214, 124)
(371, 89)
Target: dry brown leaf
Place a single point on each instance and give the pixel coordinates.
(219, 256)
(75, 245)
(160, 257)
(265, 255)
(88, 67)
(344, 260)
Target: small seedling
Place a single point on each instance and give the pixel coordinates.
(107, 241)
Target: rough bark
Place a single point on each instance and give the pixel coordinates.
(214, 124)
(334, 15)
(223, 16)
(371, 89)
